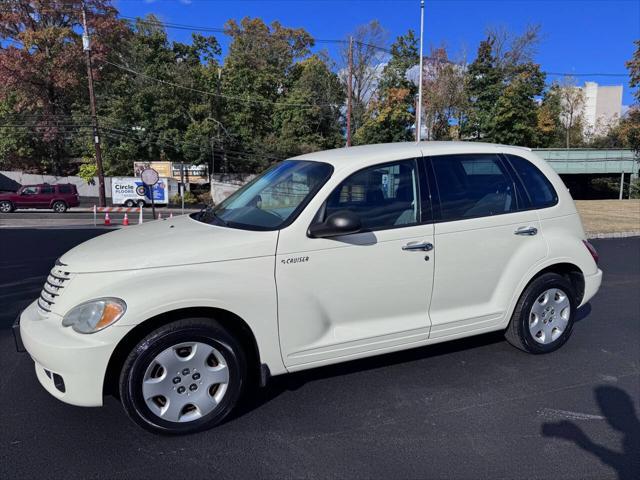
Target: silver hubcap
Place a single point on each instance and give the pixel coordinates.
(58, 207)
(549, 316)
(185, 382)
(5, 207)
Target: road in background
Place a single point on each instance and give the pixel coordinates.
(474, 408)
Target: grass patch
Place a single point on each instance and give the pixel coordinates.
(609, 216)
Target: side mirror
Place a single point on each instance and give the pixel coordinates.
(343, 222)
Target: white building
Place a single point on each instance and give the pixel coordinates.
(602, 107)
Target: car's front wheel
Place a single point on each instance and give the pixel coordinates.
(544, 315)
(129, 203)
(6, 206)
(59, 207)
(183, 377)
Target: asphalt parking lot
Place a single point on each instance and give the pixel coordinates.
(476, 408)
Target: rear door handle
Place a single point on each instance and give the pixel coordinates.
(424, 247)
(526, 231)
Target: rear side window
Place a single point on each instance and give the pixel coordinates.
(473, 185)
(64, 189)
(540, 191)
(46, 189)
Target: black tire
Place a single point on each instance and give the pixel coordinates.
(141, 203)
(188, 330)
(129, 203)
(6, 206)
(59, 206)
(518, 333)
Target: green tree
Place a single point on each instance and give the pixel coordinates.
(391, 113)
(502, 84)
(550, 129)
(306, 129)
(484, 85)
(515, 113)
(257, 78)
(144, 115)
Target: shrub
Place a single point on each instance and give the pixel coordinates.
(189, 199)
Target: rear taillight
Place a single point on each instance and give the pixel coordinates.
(592, 251)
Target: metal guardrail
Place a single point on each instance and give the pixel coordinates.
(590, 161)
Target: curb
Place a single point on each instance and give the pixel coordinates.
(613, 234)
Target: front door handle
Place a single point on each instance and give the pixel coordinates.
(424, 247)
(526, 231)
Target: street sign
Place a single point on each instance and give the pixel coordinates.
(149, 176)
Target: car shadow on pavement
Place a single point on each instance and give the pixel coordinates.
(257, 397)
(618, 409)
(583, 312)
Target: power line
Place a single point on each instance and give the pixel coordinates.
(221, 95)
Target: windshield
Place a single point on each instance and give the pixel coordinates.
(273, 199)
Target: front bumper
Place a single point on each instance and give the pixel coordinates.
(69, 365)
(591, 286)
(16, 335)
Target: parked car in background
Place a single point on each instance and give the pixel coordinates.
(324, 258)
(55, 197)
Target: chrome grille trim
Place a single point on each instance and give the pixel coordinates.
(53, 287)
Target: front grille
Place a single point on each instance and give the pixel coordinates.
(56, 281)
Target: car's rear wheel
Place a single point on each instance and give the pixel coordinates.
(543, 319)
(141, 203)
(6, 206)
(184, 377)
(59, 207)
(129, 203)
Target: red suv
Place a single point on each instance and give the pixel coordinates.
(57, 197)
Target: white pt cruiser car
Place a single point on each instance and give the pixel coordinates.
(324, 258)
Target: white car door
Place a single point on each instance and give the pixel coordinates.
(364, 293)
(486, 238)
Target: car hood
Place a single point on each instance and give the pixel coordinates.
(170, 242)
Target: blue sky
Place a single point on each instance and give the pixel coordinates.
(579, 36)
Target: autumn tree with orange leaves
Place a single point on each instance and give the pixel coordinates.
(43, 73)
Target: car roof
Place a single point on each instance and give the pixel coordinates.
(371, 154)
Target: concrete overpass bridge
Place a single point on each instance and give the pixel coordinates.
(578, 167)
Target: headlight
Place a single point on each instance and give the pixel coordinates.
(93, 316)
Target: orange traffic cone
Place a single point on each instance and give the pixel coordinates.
(171, 215)
(125, 221)
(160, 216)
(107, 220)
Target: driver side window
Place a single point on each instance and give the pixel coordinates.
(29, 190)
(383, 196)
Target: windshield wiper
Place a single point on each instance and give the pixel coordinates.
(209, 210)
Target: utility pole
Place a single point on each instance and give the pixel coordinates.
(86, 46)
(419, 109)
(349, 91)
